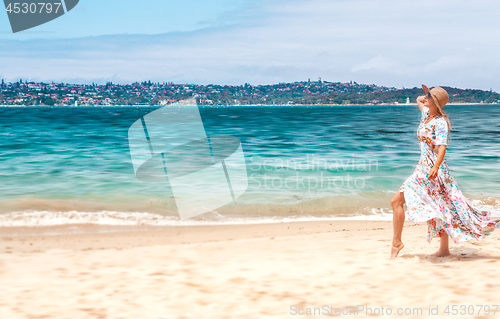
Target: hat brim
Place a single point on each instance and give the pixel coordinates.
(426, 89)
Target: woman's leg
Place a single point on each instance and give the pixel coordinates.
(444, 249)
(398, 218)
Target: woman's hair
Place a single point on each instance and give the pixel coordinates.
(445, 116)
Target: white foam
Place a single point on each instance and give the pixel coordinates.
(49, 218)
(46, 218)
(493, 209)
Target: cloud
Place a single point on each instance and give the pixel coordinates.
(382, 63)
(393, 43)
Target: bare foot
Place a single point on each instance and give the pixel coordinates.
(441, 253)
(396, 248)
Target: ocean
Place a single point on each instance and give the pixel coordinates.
(72, 165)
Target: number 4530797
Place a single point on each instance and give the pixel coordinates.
(33, 7)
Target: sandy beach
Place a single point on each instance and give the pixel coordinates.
(283, 270)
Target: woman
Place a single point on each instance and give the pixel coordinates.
(431, 193)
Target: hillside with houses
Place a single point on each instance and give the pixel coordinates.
(150, 93)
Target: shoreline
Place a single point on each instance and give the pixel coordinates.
(77, 237)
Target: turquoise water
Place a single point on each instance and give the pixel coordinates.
(302, 162)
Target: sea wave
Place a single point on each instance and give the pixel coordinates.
(236, 215)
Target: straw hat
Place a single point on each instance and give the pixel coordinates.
(439, 95)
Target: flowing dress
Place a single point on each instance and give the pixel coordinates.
(439, 201)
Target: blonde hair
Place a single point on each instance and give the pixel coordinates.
(445, 116)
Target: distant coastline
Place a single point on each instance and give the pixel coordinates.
(305, 93)
(255, 105)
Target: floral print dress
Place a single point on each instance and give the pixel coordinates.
(439, 201)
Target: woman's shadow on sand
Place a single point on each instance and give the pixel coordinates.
(457, 254)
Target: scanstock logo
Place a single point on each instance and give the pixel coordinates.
(27, 14)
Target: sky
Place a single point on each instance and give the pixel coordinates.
(384, 42)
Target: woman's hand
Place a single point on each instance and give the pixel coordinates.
(433, 172)
(420, 102)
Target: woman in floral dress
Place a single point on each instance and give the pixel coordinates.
(431, 193)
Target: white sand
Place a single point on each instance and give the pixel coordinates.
(253, 271)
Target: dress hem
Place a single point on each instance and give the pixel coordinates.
(486, 230)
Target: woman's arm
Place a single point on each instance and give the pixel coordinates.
(420, 102)
(434, 170)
